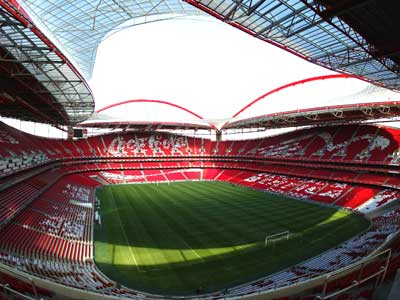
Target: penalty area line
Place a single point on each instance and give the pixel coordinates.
(194, 251)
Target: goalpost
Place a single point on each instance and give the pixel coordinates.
(273, 238)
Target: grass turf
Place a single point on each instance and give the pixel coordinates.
(174, 238)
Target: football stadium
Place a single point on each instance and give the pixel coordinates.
(291, 195)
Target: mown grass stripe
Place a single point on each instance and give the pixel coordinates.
(119, 220)
(188, 234)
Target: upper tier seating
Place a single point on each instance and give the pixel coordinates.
(341, 144)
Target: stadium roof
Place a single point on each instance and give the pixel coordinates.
(327, 115)
(357, 37)
(80, 26)
(37, 82)
(358, 107)
(317, 116)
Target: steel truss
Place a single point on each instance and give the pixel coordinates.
(36, 75)
(308, 29)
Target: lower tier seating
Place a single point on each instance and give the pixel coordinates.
(51, 238)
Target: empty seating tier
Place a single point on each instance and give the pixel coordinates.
(48, 206)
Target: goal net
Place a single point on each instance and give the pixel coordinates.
(273, 238)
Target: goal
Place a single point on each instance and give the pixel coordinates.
(273, 238)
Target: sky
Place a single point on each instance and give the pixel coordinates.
(206, 66)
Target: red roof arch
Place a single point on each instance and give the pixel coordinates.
(291, 84)
(149, 101)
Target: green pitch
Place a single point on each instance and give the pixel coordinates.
(175, 238)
